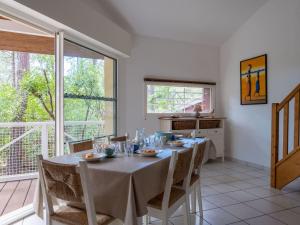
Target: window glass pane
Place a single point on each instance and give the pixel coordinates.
(177, 99)
(87, 72)
(27, 101)
(89, 94)
(86, 118)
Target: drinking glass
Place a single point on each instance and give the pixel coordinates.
(129, 148)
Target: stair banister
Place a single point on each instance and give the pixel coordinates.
(282, 166)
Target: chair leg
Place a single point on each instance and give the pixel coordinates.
(147, 219)
(193, 201)
(48, 220)
(150, 219)
(199, 199)
(186, 212)
(164, 221)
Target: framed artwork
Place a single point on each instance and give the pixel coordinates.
(253, 80)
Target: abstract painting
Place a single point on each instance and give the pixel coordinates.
(253, 80)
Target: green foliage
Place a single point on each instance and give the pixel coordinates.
(83, 77)
(171, 99)
(39, 82)
(8, 97)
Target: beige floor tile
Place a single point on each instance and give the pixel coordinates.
(255, 173)
(221, 200)
(242, 185)
(224, 188)
(296, 210)
(206, 205)
(263, 220)
(242, 196)
(195, 220)
(283, 201)
(209, 181)
(287, 217)
(242, 211)
(264, 206)
(239, 223)
(158, 222)
(219, 217)
(292, 187)
(241, 176)
(225, 178)
(294, 195)
(242, 169)
(208, 191)
(210, 174)
(258, 181)
(263, 192)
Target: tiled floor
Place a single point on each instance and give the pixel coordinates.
(237, 194)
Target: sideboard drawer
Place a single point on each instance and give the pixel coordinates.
(215, 131)
(184, 125)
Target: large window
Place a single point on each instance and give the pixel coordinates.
(89, 93)
(173, 98)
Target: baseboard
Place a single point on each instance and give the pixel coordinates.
(243, 162)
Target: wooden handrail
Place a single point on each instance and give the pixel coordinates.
(289, 156)
(275, 141)
(276, 108)
(288, 98)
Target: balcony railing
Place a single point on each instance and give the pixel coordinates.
(20, 142)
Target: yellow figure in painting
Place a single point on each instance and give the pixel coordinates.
(253, 78)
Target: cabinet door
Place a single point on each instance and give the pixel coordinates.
(218, 140)
(217, 137)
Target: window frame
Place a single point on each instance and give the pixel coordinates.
(180, 84)
(113, 99)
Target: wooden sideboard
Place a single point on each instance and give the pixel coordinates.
(212, 128)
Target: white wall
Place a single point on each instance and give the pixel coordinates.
(163, 59)
(274, 29)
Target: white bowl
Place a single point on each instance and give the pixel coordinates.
(150, 154)
(176, 143)
(96, 157)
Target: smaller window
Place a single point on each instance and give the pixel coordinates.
(178, 98)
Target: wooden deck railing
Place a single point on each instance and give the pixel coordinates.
(286, 155)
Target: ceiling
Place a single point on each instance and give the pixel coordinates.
(208, 22)
(9, 25)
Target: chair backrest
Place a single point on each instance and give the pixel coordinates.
(182, 165)
(78, 146)
(64, 182)
(118, 139)
(199, 156)
(180, 169)
(169, 181)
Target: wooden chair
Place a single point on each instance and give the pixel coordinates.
(195, 184)
(78, 146)
(62, 182)
(166, 203)
(118, 139)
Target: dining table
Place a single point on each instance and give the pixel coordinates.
(122, 186)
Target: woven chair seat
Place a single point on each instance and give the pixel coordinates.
(74, 216)
(175, 195)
